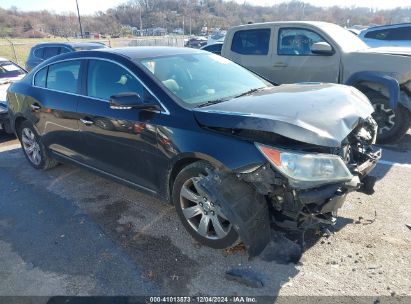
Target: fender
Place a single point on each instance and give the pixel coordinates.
(381, 78)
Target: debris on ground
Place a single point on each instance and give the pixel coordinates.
(281, 250)
(235, 249)
(408, 226)
(244, 276)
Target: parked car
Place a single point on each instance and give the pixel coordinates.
(233, 153)
(213, 48)
(290, 52)
(44, 51)
(196, 42)
(387, 35)
(9, 72)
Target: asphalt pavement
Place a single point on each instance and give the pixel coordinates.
(67, 231)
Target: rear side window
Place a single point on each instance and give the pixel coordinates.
(379, 35)
(39, 52)
(105, 79)
(50, 52)
(251, 42)
(64, 76)
(40, 78)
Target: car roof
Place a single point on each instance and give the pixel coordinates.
(261, 24)
(387, 26)
(141, 52)
(72, 44)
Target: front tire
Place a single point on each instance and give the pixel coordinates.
(201, 217)
(34, 150)
(393, 124)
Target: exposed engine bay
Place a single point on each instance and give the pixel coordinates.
(258, 198)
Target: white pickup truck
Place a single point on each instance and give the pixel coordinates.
(291, 52)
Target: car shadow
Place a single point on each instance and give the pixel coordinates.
(4, 137)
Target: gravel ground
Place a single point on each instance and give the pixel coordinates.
(70, 232)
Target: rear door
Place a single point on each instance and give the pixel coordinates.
(252, 49)
(53, 104)
(122, 142)
(293, 60)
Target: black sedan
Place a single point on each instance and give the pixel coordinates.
(233, 152)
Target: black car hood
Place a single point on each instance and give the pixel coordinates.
(319, 114)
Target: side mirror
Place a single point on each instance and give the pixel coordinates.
(128, 100)
(322, 48)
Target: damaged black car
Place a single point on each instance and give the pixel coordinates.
(233, 152)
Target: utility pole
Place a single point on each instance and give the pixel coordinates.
(141, 22)
(79, 20)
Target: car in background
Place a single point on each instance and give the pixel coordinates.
(214, 48)
(387, 35)
(44, 51)
(9, 73)
(233, 153)
(304, 51)
(196, 42)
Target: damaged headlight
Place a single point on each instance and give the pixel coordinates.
(306, 170)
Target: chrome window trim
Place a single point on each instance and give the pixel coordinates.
(166, 111)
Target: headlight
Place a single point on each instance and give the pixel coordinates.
(305, 170)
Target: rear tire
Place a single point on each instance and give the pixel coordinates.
(34, 150)
(393, 124)
(202, 218)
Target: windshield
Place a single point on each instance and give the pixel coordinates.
(346, 40)
(9, 70)
(199, 79)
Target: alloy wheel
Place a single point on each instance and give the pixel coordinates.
(204, 216)
(31, 146)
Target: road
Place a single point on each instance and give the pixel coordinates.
(67, 231)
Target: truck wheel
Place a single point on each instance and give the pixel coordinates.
(201, 217)
(393, 124)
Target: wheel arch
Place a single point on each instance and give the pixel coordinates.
(182, 161)
(16, 123)
(379, 82)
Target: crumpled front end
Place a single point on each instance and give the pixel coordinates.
(297, 204)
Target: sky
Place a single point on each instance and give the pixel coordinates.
(91, 6)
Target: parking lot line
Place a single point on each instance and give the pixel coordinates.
(10, 147)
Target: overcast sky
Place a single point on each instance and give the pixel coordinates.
(90, 6)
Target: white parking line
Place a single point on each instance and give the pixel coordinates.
(394, 164)
(10, 147)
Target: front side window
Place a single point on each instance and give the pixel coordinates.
(64, 76)
(297, 42)
(251, 42)
(198, 79)
(400, 34)
(105, 79)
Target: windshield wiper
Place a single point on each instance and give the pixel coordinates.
(249, 92)
(211, 102)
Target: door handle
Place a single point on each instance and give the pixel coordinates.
(280, 65)
(86, 122)
(35, 107)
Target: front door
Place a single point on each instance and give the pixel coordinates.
(294, 62)
(122, 142)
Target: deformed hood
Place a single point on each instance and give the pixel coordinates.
(319, 114)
